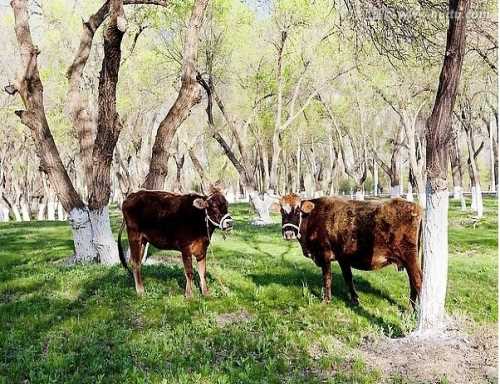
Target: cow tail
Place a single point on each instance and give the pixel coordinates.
(120, 250)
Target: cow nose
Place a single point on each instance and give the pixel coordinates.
(227, 223)
(289, 235)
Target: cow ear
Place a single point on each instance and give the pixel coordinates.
(307, 206)
(200, 203)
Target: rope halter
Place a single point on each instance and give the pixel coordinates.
(225, 223)
(296, 227)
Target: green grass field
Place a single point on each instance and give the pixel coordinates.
(264, 321)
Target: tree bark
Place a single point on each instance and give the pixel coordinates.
(431, 313)
(189, 95)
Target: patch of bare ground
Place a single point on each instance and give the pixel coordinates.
(225, 319)
(452, 355)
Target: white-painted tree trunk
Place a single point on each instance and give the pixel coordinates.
(422, 199)
(79, 220)
(409, 194)
(318, 193)
(375, 178)
(395, 191)
(4, 214)
(431, 314)
(262, 207)
(463, 206)
(479, 201)
(61, 215)
(17, 214)
(359, 195)
(25, 214)
(102, 237)
(473, 204)
(41, 211)
(51, 210)
(457, 192)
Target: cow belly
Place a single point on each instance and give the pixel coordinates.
(378, 259)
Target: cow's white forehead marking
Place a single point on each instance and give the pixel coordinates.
(287, 208)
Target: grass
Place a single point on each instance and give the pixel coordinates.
(85, 324)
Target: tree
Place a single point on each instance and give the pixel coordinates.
(438, 134)
(90, 224)
(189, 95)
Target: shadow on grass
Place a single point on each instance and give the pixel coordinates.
(295, 277)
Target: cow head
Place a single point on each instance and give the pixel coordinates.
(292, 211)
(216, 208)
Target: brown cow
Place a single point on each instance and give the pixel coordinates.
(172, 221)
(365, 235)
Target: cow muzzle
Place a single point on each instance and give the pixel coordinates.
(291, 231)
(226, 223)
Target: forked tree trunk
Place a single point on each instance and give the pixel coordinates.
(262, 204)
(431, 313)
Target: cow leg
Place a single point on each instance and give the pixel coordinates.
(202, 272)
(347, 273)
(136, 250)
(327, 281)
(415, 279)
(188, 272)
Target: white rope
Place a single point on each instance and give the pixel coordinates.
(297, 227)
(225, 219)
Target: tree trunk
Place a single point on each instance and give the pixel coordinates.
(409, 193)
(30, 88)
(4, 213)
(431, 311)
(61, 216)
(42, 207)
(85, 251)
(261, 204)
(456, 170)
(492, 151)
(475, 182)
(189, 95)
(24, 209)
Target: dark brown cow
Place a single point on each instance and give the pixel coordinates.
(172, 221)
(365, 235)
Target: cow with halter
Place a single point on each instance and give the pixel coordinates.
(175, 222)
(365, 235)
